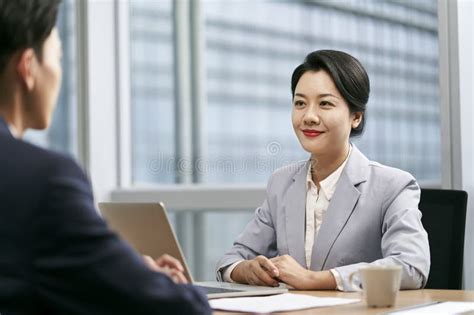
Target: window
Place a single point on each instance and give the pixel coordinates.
(152, 91)
(62, 134)
(253, 47)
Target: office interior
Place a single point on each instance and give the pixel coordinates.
(188, 102)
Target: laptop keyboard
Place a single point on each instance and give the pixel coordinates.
(210, 290)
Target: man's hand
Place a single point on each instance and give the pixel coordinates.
(167, 265)
(258, 271)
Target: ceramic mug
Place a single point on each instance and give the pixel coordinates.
(380, 284)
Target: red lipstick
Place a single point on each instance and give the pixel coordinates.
(311, 133)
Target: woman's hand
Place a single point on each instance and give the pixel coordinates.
(292, 273)
(258, 271)
(168, 265)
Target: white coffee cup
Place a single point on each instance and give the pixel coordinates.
(380, 284)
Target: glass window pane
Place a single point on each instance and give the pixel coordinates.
(152, 91)
(253, 47)
(62, 134)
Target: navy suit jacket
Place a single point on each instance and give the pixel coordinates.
(57, 255)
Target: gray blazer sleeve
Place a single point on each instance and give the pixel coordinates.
(258, 238)
(404, 241)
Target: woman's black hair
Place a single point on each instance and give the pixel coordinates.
(348, 74)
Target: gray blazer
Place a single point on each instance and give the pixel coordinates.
(373, 218)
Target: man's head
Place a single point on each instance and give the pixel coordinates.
(30, 61)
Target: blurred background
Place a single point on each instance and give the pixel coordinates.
(189, 102)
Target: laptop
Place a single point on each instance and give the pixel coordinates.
(145, 226)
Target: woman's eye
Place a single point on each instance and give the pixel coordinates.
(326, 103)
(299, 103)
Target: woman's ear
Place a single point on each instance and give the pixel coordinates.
(356, 119)
(25, 68)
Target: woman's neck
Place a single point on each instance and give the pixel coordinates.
(323, 165)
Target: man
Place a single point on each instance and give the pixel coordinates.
(56, 254)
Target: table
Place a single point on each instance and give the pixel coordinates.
(405, 298)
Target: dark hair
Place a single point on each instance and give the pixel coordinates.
(348, 74)
(25, 24)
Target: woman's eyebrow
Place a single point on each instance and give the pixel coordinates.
(319, 95)
(328, 94)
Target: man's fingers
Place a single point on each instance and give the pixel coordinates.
(178, 277)
(268, 265)
(175, 275)
(169, 261)
(150, 263)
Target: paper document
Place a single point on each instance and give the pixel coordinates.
(435, 308)
(276, 303)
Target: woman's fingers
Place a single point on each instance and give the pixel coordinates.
(260, 275)
(265, 279)
(268, 265)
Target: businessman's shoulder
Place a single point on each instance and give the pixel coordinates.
(32, 160)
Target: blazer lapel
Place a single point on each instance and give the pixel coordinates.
(295, 211)
(340, 207)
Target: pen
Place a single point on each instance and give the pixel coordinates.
(414, 307)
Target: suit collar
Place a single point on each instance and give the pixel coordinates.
(295, 212)
(356, 168)
(328, 185)
(4, 127)
(340, 208)
(302, 172)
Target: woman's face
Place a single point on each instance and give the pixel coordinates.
(321, 117)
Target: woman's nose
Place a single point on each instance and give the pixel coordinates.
(311, 116)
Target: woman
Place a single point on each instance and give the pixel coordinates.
(325, 218)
